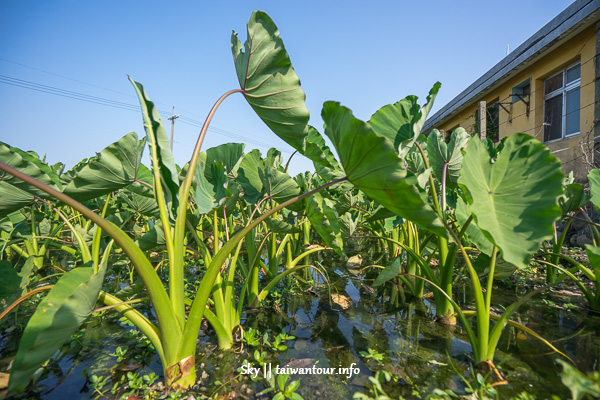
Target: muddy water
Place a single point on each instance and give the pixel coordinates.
(404, 341)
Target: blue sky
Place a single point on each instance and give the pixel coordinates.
(365, 56)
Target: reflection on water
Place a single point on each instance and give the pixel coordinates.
(415, 350)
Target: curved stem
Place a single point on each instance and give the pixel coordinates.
(23, 298)
(169, 326)
(176, 289)
(288, 162)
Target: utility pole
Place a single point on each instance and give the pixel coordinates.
(172, 118)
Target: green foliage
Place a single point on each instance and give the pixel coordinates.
(269, 82)
(163, 164)
(441, 154)
(372, 164)
(57, 317)
(322, 214)
(513, 198)
(113, 168)
(580, 385)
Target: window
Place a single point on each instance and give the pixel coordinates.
(521, 91)
(492, 122)
(562, 103)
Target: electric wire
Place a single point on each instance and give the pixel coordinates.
(124, 106)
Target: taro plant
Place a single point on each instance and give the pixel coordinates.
(509, 195)
(574, 199)
(512, 194)
(269, 83)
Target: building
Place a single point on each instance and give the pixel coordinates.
(545, 88)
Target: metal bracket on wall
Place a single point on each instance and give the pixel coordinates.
(524, 101)
(521, 98)
(509, 112)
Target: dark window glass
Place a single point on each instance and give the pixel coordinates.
(553, 118)
(554, 83)
(573, 74)
(572, 112)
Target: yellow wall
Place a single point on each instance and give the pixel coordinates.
(580, 48)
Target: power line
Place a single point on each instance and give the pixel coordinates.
(121, 105)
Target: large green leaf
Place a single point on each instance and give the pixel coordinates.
(574, 198)
(269, 82)
(594, 181)
(348, 224)
(462, 213)
(279, 185)
(277, 225)
(372, 164)
(209, 193)
(440, 154)
(317, 150)
(142, 184)
(331, 174)
(160, 147)
(402, 121)
(141, 204)
(273, 158)
(249, 177)
(395, 121)
(514, 200)
(12, 198)
(55, 319)
(324, 218)
(28, 164)
(426, 108)
(154, 237)
(229, 154)
(113, 168)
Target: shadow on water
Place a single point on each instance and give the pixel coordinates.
(366, 335)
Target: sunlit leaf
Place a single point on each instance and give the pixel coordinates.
(372, 165)
(160, 150)
(111, 169)
(441, 153)
(55, 319)
(514, 200)
(269, 82)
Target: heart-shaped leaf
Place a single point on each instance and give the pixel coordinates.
(440, 154)
(249, 176)
(402, 121)
(514, 200)
(269, 82)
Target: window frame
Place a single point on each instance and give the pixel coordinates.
(563, 90)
